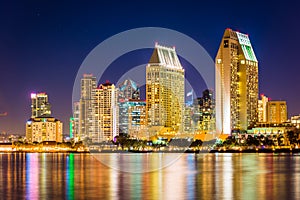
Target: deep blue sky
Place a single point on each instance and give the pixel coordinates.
(42, 45)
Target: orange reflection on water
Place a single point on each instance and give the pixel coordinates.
(192, 176)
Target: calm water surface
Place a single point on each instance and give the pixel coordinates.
(211, 176)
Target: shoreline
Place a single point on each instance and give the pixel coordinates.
(245, 151)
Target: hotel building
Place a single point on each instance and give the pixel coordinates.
(236, 83)
(165, 89)
(41, 129)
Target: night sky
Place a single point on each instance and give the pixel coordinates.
(42, 45)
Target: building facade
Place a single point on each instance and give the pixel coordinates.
(41, 129)
(106, 112)
(128, 90)
(165, 89)
(262, 109)
(204, 113)
(136, 118)
(87, 123)
(276, 112)
(41, 126)
(74, 126)
(40, 105)
(188, 125)
(295, 120)
(236, 83)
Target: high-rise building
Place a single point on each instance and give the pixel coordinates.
(236, 83)
(188, 125)
(165, 89)
(262, 109)
(106, 112)
(74, 129)
(128, 90)
(41, 126)
(136, 118)
(40, 107)
(204, 112)
(87, 123)
(123, 117)
(41, 129)
(276, 112)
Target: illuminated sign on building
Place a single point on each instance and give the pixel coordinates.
(246, 46)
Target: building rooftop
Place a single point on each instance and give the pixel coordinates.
(127, 82)
(45, 118)
(107, 83)
(165, 56)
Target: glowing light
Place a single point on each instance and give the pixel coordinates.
(71, 126)
(70, 176)
(33, 95)
(246, 46)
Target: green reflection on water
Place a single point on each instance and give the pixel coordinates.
(70, 176)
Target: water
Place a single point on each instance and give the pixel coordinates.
(211, 176)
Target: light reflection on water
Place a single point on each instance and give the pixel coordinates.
(210, 176)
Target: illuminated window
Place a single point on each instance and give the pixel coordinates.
(226, 43)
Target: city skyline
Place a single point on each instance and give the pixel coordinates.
(41, 52)
(149, 99)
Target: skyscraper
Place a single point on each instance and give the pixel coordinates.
(236, 83)
(128, 90)
(136, 118)
(165, 89)
(204, 112)
(106, 112)
(40, 105)
(87, 109)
